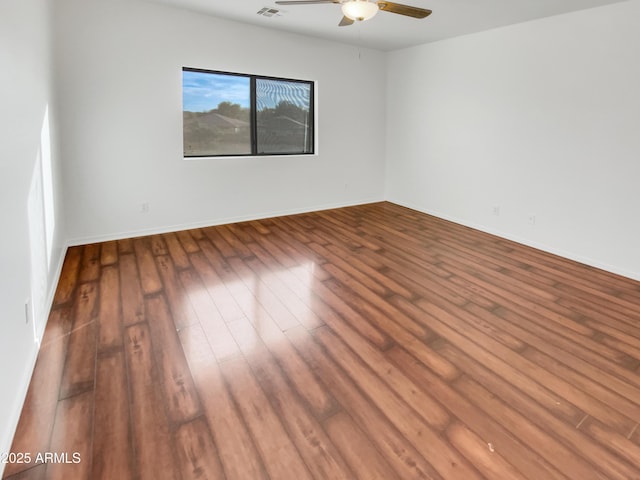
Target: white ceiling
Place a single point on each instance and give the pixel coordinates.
(388, 31)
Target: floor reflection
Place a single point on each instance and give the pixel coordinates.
(245, 307)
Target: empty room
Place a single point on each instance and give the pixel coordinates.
(320, 239)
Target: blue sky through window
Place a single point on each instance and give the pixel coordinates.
(203, 91)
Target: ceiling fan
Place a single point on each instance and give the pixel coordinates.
(360, 10)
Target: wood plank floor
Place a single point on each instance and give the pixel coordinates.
(370, 342)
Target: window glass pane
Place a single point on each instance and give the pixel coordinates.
(216, 114)
(284, 116)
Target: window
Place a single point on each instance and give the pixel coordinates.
(232, 114)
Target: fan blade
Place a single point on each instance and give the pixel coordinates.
(407, 10)
(345, 22)
(304, 2)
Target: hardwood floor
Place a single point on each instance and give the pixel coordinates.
(370, 342)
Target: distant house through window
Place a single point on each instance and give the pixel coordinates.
(231, 114)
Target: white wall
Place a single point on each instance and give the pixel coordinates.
(31, 246)
(119, 70)
(540, 118)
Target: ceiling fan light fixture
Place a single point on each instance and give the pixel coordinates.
(359, 10)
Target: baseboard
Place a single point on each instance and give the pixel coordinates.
(14, 415)
(52, 289)
(529, 243)
(214, 222)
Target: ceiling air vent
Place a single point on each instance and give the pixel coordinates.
(269, 12)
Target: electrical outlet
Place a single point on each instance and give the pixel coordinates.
(532, 219)
(496, 210)
(27, 311)
(144, 207)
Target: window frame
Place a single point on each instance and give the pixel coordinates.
(253, 116)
